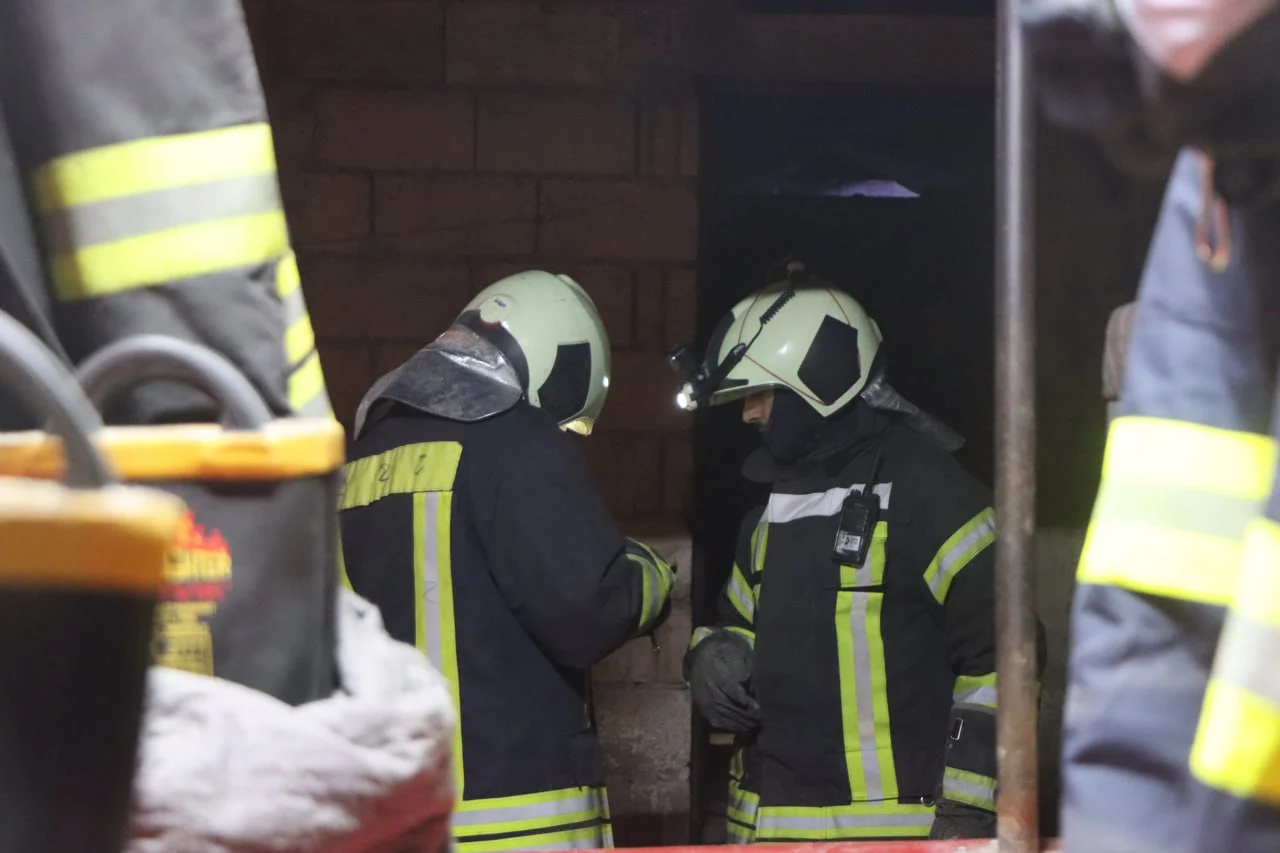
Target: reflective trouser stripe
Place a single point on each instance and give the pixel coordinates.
(974, 789)
(975, 690)
(1237, 746)
(161, 209)
(868, 744)
(1174, 501)
(655, 580)
(859, 820)
(958, 551)
(307, 394)
(534, 821)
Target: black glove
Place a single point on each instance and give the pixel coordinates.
(956, 820)
(718, 670)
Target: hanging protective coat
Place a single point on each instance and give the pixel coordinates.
(1172, 724)
(141, 135)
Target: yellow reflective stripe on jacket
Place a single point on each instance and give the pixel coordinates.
(1173, 506)
(975, 690)
(704, 631)
(162, 209)
(426, 466)
(740, 595)
(958, 551)
(530, 812)
(426, 471)
(306, 390)
(972, 789)
(830, 823)
(864, 698)
(656, 579)
(1237, 745)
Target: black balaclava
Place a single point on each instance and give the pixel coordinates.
(794, 428)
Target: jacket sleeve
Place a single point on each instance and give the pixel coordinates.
(141, 131)
(736, 605)
(959, 534)
(576, 585)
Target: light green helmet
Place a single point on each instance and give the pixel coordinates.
(811, 338)
(533, 335)
(550, 331)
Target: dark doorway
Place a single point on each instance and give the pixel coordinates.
(889, 195)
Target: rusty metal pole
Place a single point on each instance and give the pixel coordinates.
(1018, 815)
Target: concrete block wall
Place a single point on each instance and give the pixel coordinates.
(429, 147)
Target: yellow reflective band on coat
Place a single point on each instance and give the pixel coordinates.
(835, 823)
(306, 388)
(975, 690)
(740, 595)
(426, 466)
(159, 210)
(656, 580)
(1174, 503)
(533, 821)
(864, 702)
(958, 551)
(426, 471)
(971, 789)
(1237, 745)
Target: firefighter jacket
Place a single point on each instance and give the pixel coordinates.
(486, 545)
(139, 131)
(1171, 729)
(860, 671)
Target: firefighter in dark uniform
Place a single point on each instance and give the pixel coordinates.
(470, 519)
(854, 651)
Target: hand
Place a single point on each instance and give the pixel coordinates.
(719, 671)
(956, 820)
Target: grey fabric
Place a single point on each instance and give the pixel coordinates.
(459, 376)
(719, 673)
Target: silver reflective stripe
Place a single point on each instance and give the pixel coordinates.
(975, 696)
(431, 576)
(866, 698)
(317, 407)
(295, 307)
(784, 508)
(769, 821)
(591, 801)
(72, 228)
(957, 552)
(965, 790)
(1190, 510)
(1247, 656)
(740, 594)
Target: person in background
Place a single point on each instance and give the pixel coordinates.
(854, 651)
(470, 519)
